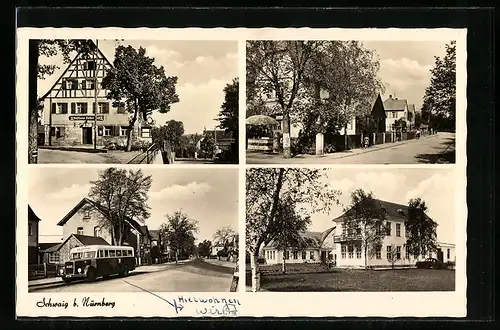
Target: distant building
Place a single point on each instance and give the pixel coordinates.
(399, 109)
(221, 138)
(69, 108)
(33, 232)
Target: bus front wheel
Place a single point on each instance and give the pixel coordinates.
(91, 275)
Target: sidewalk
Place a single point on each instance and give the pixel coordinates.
(142, 269)
(336, 155)
(227, 264)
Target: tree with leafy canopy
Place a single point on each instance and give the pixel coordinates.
(279, 67)
(178, 232)
(169, 137)
(141, 86)
(204, 248)
(47, 48)
(364, 219)
(207, 145)
(422, 236)
(119, 196)
(272, 193)
(439, 104)
(229, 118)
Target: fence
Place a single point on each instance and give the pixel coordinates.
(42, 271)
(147, 157)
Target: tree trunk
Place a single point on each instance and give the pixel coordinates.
(255, 270)
(283, 266)
(130, 129)
(287, 152)
(366, 259)
(176, 255)
(33, 103)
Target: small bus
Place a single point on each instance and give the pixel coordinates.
(93, 261)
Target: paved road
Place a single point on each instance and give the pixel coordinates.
(46, 156)
(439, 148)
(192, 276)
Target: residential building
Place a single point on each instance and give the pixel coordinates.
(398, 109)
(216, 248)
(81, 221)
(145, 241)
(69, 108)
(48, 252)
(316, 248)
(33, 241)
(60, 253)
(343, 246)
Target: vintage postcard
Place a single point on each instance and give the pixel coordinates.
(339, 191)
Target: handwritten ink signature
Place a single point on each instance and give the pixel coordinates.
(227, 310)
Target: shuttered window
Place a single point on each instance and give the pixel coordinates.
(103, 107)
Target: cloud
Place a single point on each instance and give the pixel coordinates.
(71, 192)
(161, 54)
(385, 186)
(179, 192)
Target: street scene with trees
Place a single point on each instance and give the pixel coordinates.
(332, 101)
(140, 91)
(175, 247)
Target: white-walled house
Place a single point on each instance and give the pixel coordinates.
(337, 244)
(396, 109)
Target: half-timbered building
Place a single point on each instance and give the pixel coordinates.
(69, 115)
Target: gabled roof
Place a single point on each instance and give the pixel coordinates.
(378, 109)
(310, 238)
(155, 234)
(70, 64)
(145, 231)
(45, 246)
(32, 216)
(394, 104)
(83, 239)
(393, 210)
(101, 208)
(220, 135)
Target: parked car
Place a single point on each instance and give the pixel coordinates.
(430, 263)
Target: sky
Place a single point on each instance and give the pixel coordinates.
(405, 67)
(202, 67)
(434, 186)
(209, 196)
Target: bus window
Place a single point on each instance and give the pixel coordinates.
(118, 253)
(106, 253)
(101, 254)
(111, 253)
(129, 252)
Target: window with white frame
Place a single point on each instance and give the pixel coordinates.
(389, 252)
(107, 130)
(388, 228)
(54, 257)
(311, 255)
(344, 251)
(90, 84)
(81, 108)
(398, 252)
(378, 252)
(448, 253)
(407, 252)
(398, 230)
(286, 255)
(295, 255)
(358, 252)
(145, 132)
(97, 231)
(123, 130)
(351, 251)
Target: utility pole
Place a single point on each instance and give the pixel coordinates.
(95, 93)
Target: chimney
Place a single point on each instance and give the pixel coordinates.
(390, 96)
(396, 98)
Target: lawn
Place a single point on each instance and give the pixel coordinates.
(306, 279)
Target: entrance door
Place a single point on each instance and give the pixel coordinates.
(87, 135)
(440, 255)
(323, 256)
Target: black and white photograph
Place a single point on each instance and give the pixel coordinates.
(350, 102)
(158, 102)
(132, 230)
(350, 230)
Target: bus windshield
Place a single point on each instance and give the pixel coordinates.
(83, 255)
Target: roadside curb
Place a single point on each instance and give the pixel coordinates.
(35, 287)
(91, 151)
(383, 146)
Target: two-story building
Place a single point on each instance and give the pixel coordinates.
(399, 109)
(33, 242)
(81, 227)
(69, 115)
(342, 246)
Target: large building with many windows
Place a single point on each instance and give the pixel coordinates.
(69, 115)
(340, 245)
